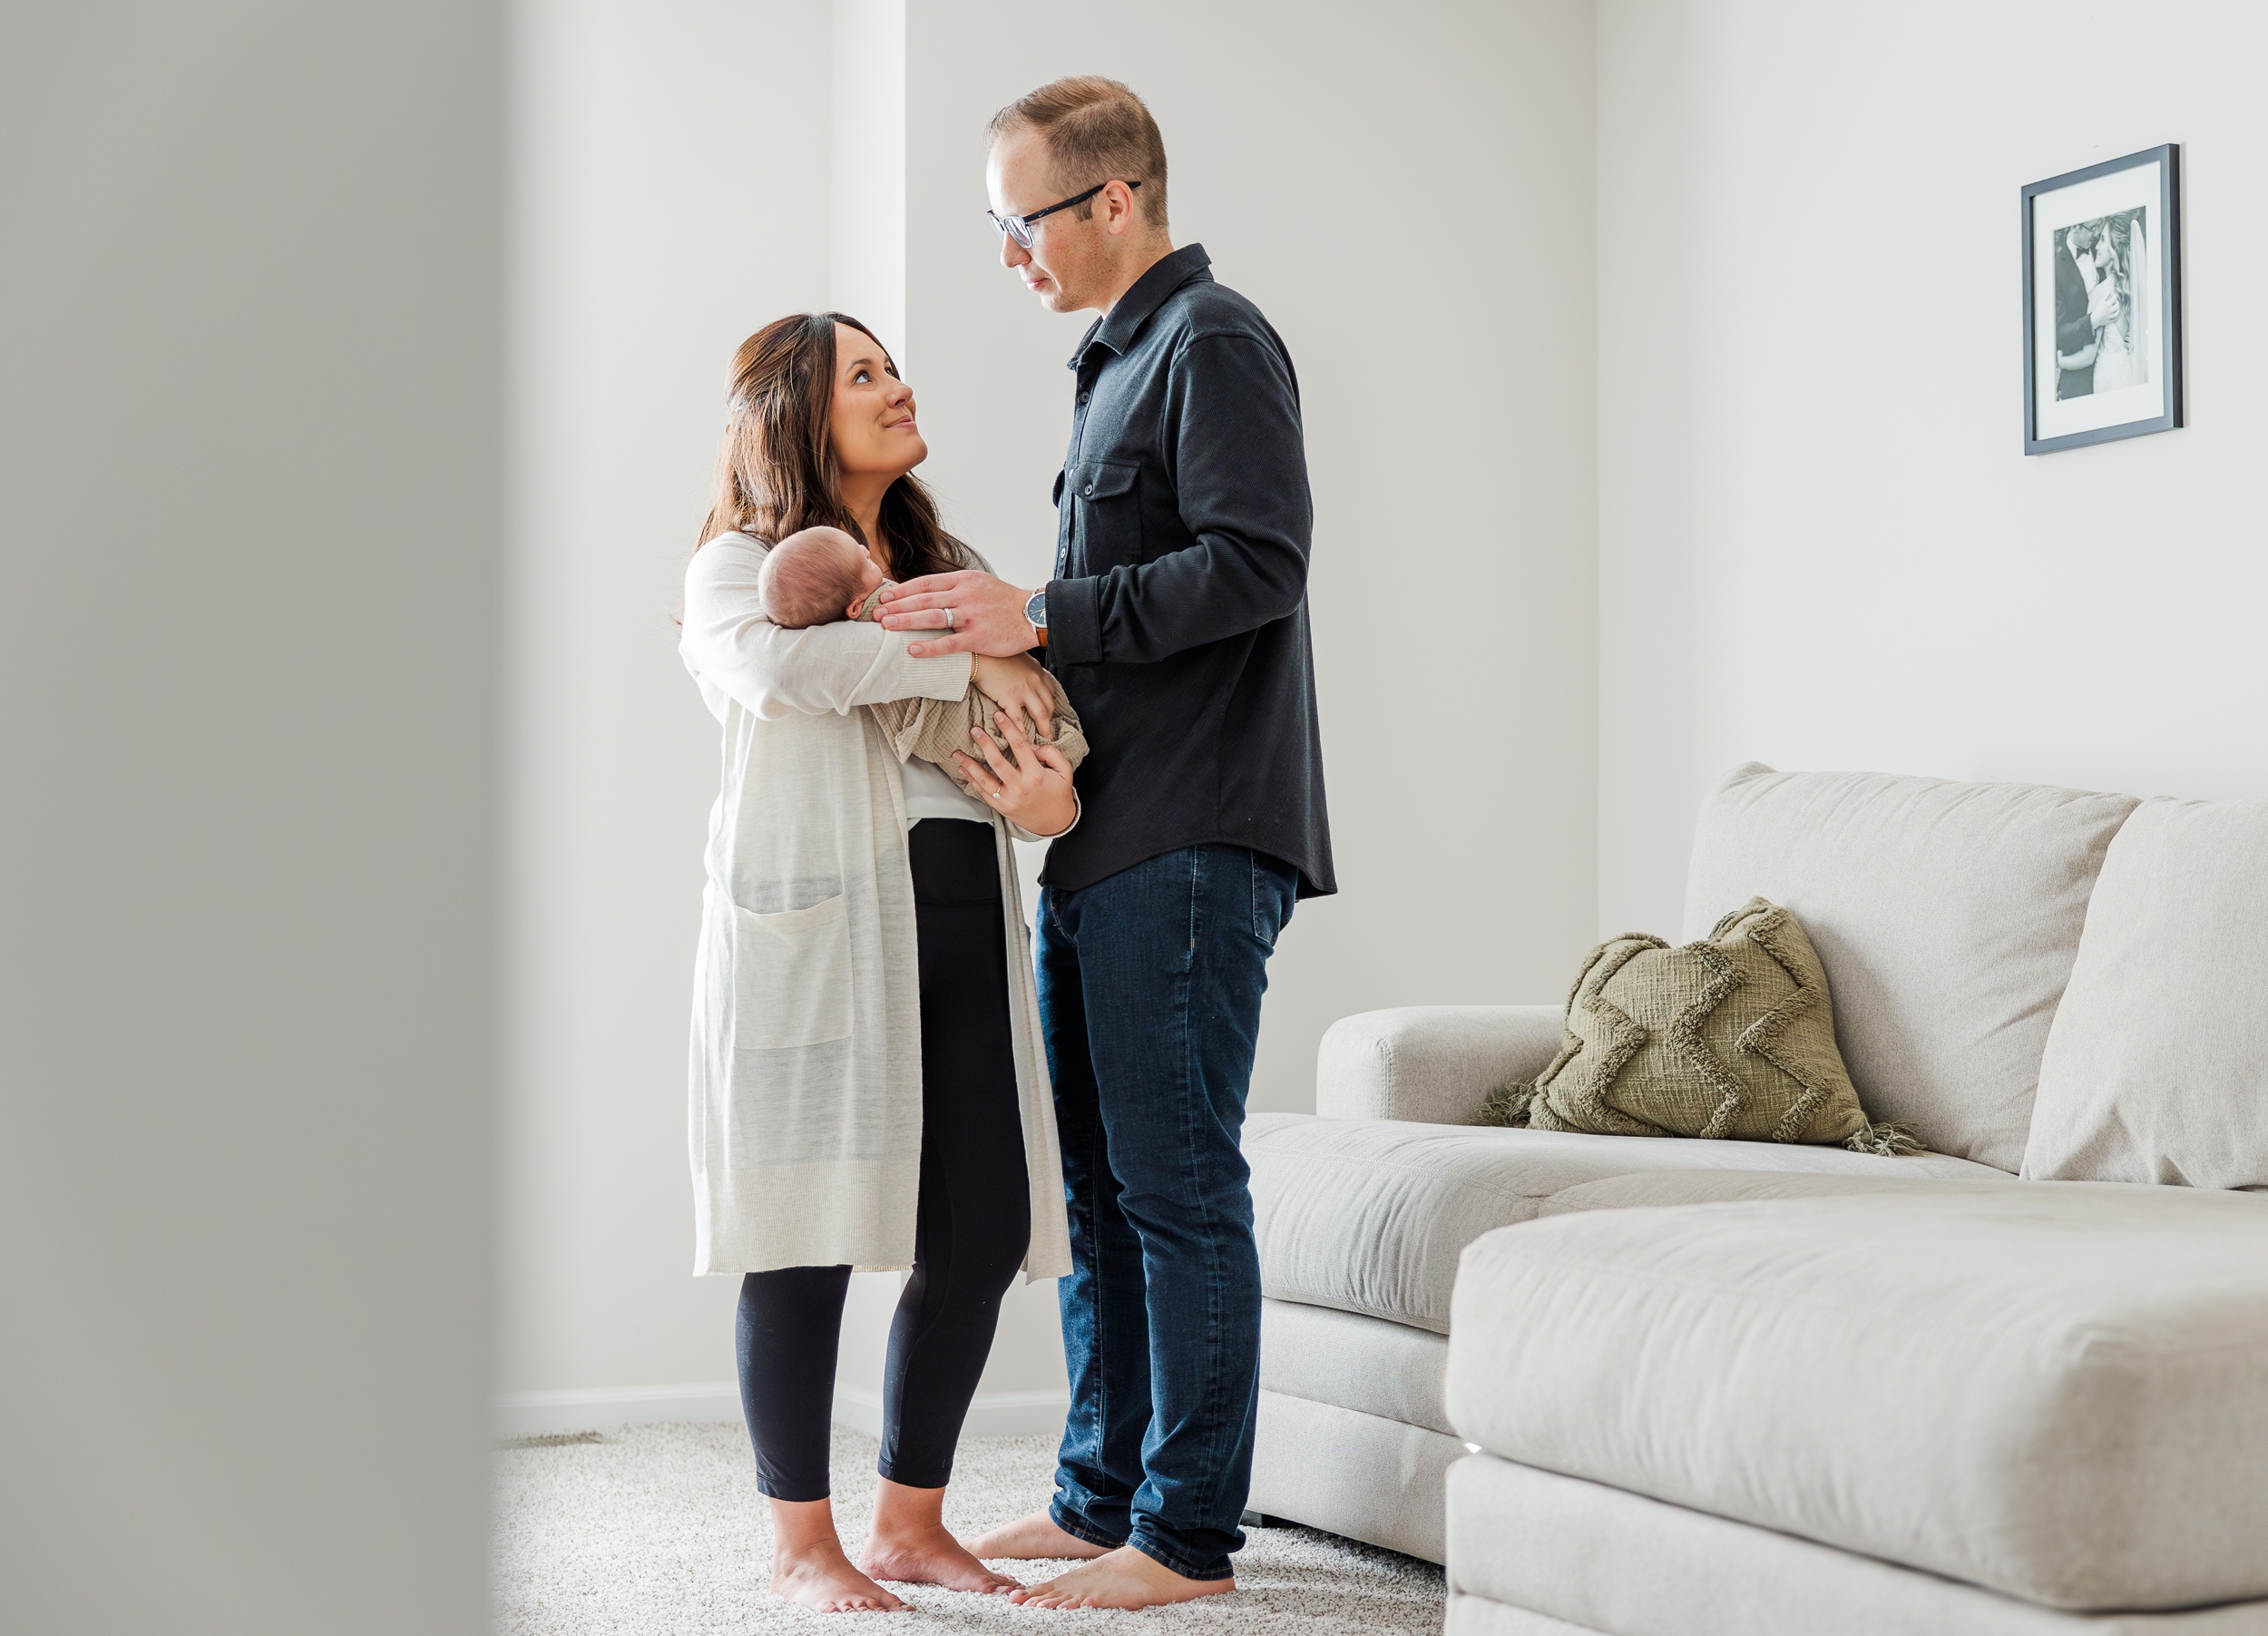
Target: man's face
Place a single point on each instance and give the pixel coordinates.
(1065, 266)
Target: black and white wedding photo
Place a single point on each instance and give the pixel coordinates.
(2100, 334)
(2102, 328)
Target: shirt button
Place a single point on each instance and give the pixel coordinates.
(1089, 491)
(1083, 396)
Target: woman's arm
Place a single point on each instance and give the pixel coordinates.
(1020, 684)
(773, 672)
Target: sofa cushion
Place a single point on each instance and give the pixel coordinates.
(1368, 1215)
(2156, 1069)
(2056, 1390)
(1947, 917)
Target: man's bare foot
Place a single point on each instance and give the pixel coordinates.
(1033, 1539)
(825, 1580)
(930, 1556)
(1123, 1578)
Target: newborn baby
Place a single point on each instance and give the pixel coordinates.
(815, 577)
(822, 575)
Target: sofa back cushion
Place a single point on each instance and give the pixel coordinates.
(2156, 1069)
(1947, 917)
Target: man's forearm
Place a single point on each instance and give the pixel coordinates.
(1218, 588)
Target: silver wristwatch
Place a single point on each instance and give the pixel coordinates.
(1035, 611)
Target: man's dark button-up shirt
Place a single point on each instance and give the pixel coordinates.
(1178, 618)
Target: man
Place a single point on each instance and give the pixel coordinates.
(2075, 342)
(1177, 623)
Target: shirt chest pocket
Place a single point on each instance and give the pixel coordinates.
(1108, 494)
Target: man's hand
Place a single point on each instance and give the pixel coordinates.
(977, 614)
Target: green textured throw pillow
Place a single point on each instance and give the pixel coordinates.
(1731, 1037)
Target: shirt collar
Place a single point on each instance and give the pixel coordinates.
(1118, 328)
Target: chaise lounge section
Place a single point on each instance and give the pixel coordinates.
(1742, 1388)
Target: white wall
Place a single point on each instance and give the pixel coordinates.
(247, 593)
(1820, 543)
(671, 174)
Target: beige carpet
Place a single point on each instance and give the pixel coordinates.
(660, 1528)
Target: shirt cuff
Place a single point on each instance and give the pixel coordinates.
(1078, 810)
(1074, 622)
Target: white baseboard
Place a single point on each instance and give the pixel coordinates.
(548, 1413)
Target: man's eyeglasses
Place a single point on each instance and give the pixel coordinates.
(1018, 228)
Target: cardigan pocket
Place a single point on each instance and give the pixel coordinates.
(791, 976)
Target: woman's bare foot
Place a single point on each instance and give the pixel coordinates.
(1034, 1538)
(932, 1558)
(908, 1543)
(825, 1580)
(808, 1566)
(1123, 1578)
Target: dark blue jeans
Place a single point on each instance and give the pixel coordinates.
(1150, 996)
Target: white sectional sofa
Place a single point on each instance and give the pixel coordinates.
(2019, 1384)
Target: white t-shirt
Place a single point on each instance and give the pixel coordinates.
(929, 794)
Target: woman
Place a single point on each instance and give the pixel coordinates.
(867, 1085)
(2108, 270)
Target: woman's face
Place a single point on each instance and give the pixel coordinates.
(872, 418)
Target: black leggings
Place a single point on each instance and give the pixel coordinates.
(973, 1224)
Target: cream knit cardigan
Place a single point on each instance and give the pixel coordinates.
(807, 1058)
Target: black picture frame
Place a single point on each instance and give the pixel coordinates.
(2164, 272)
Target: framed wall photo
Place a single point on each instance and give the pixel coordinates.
(2102, 302)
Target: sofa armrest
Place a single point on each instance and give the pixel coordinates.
(1429, 1064)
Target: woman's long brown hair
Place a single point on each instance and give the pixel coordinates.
(777, 472)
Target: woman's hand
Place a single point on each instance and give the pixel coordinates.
(1032, 788)
(1019, 684)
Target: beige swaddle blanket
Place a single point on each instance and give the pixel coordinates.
(932, 729)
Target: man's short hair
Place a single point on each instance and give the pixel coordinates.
(1095, 131)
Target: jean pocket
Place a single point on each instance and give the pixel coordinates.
(791, 976)
(1275, 893)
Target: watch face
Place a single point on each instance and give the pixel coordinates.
(1036, 610)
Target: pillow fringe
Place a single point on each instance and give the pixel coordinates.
(1509, 1105)
(1890, 1141)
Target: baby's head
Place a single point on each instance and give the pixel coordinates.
(815, 576)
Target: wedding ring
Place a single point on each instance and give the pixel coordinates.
(949, 618)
